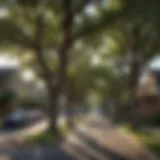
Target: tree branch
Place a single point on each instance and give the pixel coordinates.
(12, 34)
(81, 6)
(38, 49)
(67, 24)
(110, 19)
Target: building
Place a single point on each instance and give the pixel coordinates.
(9, 89)
(12, 81)
(148, 95)
(9, 80)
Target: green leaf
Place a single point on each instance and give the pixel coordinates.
(11, 34)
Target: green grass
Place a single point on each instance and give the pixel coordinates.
(48, 137)
(149, 140)
(42, 138)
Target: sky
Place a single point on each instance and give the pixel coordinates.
(28, 74)
(6, 62)
(155, 63)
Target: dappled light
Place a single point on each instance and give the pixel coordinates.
(79, 80)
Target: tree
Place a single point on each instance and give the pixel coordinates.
(85, 76)
(43, 26)
(139, 27)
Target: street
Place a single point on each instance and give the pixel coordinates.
(95, 139)
(19, 135)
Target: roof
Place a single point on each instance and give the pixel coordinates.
(150, 85)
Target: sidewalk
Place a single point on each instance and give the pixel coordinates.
(93, 140)
(98, 140)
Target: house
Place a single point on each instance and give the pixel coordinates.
(9, 80)
(12, 81)
(9, 89)
(148, 94)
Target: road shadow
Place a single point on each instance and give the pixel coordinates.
(109, 153)
(34, 153)
(106, 152)
(88, 148)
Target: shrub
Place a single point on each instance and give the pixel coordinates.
(154, 119)
(7, 97)
(31, 103)
(7, 100)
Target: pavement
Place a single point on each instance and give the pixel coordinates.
(94, 139)
(19, 135)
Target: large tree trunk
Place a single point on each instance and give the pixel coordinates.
(133, 79)
(53, 98)
(37, 46)
(53, 93)
(70, 113)
(133, 84)
(134, 70)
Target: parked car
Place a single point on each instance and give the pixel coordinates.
(21, 118)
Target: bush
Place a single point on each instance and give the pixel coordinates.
(124, 113)
(31, 103)
(47, 137)
(7, 100)
(7, 97)
(151, 141)
(153, 120)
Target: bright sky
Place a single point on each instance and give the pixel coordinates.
(13, 62)
(29, 75)
(8, 62)
(155, 63)
(3, 12)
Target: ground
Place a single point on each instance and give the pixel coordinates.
(94, 139)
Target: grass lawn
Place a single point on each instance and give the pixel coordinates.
(48, 137)
(151, 141)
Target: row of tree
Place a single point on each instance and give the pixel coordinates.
(58, 39)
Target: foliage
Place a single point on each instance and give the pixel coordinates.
(151, 141)
(124, 113)
(31, 103)
(23, 27)
(153, 120)
(42, 138)
(7, 97)
(62, 39)
(7, 100)
(49, 137)
(49, 30)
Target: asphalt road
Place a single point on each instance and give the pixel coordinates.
(95, 139)
(18, 135)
